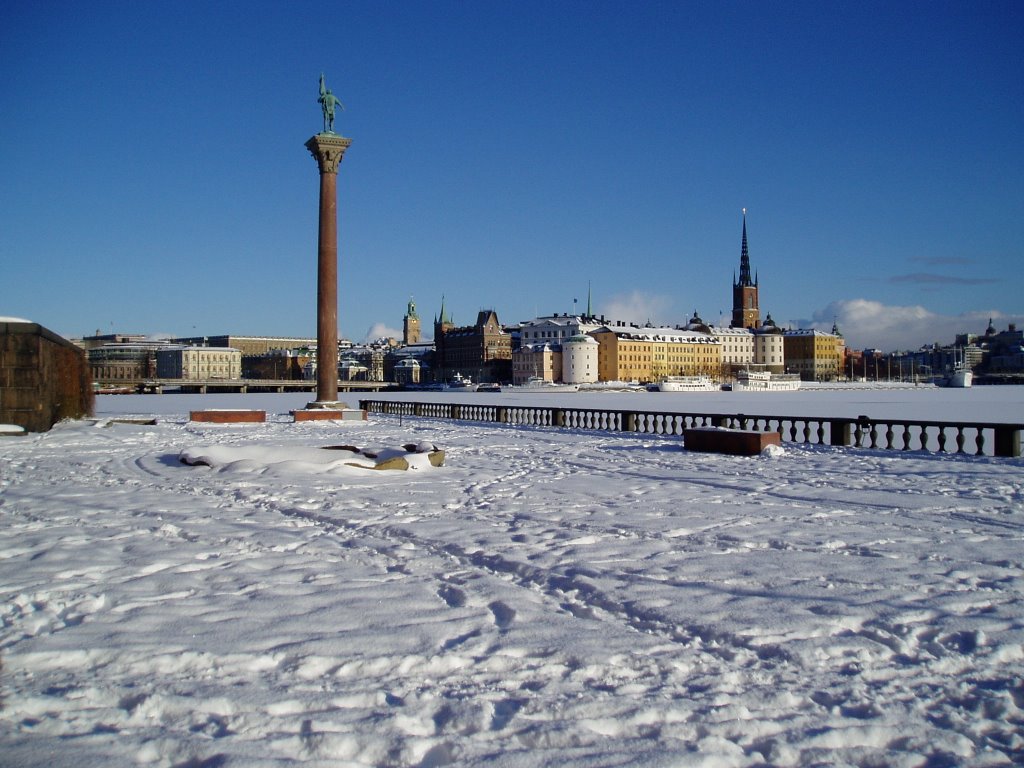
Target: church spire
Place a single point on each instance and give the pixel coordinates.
(745, 311)
(745, 280)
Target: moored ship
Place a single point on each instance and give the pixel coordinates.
(763, 380)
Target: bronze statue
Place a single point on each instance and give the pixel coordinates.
(328, 101)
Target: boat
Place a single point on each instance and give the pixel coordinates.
(763, 380)
(687, 384)
(540, 384)
(458, 381)
(488, 387)
(960, 377)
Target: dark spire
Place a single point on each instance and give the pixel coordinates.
(444, 315)
(745, 280)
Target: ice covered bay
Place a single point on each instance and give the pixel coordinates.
(545, 598)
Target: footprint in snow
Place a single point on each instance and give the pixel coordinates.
(503, 615)
(453, 596)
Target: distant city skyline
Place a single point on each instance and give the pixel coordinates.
(506, 155)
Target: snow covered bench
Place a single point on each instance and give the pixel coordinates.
(329, 414)
(736, 442)
(228, 416)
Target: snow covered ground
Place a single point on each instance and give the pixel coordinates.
(546, 598)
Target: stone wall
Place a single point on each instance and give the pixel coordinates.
(43, 378)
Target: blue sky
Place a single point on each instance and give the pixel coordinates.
(508, 155)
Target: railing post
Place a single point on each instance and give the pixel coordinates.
(841, 432)
(629, 421)
(1007, 441)
(863, 428)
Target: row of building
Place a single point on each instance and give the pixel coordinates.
(571, 348)
(584, 348)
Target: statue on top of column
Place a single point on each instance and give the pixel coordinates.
(328, 101)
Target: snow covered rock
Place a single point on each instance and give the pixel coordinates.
(333, 458)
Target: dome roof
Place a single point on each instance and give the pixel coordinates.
(696, 324)
(580, 338)
(769, 326)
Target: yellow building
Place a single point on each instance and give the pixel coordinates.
(815, 355)
(537, 361)
(629, 353)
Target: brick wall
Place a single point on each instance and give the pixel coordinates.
(43, 378)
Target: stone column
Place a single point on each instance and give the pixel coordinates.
(328, 150)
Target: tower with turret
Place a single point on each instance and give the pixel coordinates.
(411, 325)
(745, 310)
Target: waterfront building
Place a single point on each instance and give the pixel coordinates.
(1004, 350)
(537, 361)
(250, 345)
(742, 347)
(125, 363)
(770, 346)
(631, 353)
(814, 354)
(556, 328)
(541, 348)
(365, 362)
(580, 359)
(737, 345)
(277, 364)
(101, 339)
(198, 363)
(482, 351)
(408, 371)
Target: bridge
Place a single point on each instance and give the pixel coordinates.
(204, 386)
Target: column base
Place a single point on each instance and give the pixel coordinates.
(334, 405)
(329, 414)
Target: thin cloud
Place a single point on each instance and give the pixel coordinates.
(871, 324)
(930, 278)
(381, 331)
(938, 261)
(636, 307)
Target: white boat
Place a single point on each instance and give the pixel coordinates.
(540, 384)
(961, 378)
(688, 384)
(763, 380)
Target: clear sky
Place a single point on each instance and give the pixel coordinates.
(507, 155)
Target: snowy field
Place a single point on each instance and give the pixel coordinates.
(546, 598)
